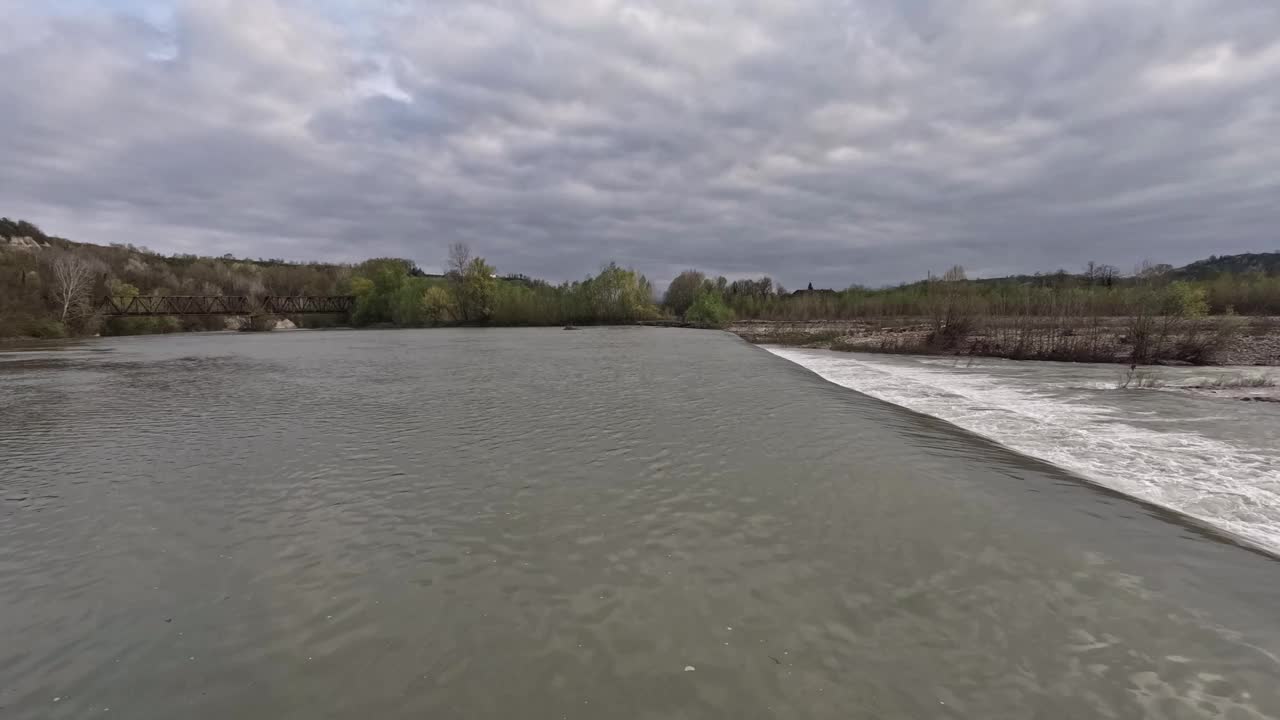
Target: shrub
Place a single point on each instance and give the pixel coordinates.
(46, 328)
(438, 305)
(709, 311)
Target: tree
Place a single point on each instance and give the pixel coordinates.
(72, 280)
(953, 308)
(459, 259)
(1182, 299)
(407, 307)
(473, 284)
(437, 305)
(758, 288)
(619, 294)
(709, 311)
(475, 290)
(683, 291)
(376, 285)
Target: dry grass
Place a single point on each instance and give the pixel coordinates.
(1230, 382)
(1135, 379)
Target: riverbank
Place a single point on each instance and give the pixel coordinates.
(1237, 340)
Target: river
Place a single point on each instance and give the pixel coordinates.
(627, 522)
(1210, 456)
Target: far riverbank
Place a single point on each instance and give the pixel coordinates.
(1240, 340)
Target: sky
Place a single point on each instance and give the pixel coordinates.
(830, 142)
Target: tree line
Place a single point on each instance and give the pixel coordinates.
(51, 291)
(1100, 314)
(391, 291)
(1099, 290)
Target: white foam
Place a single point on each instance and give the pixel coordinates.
(1231, 485)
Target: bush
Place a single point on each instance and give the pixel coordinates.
(46, 328)
(141, 325)
(1223, 382)
(438, 305)
(30, 326)
(709, 311)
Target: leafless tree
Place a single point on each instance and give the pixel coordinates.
(459, 259)
(72, 281)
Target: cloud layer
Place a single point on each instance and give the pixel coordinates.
(824, 141)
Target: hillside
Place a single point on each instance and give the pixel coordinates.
(49, 287)
(1214, 265)
(34, 302)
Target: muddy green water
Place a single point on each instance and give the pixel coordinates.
(611, 523)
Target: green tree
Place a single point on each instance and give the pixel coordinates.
(618, 295)
(709, 311)
(408, 310)
(1182, 299)
(682, 291)
(438, 305)
(376, 285)
(474, 289)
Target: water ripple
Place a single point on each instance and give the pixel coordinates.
(531, 523)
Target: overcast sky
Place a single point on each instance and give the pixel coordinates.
(824, 141)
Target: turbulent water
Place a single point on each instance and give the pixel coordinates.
(1212, 457)
(635, 523)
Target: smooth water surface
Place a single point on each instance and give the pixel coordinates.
(620, 523)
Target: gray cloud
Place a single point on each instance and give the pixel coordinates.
(824, 141)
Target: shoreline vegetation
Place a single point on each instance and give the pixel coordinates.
(1204, 340)
(1222, 310)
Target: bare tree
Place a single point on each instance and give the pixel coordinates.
(459, 259)
(72, 281)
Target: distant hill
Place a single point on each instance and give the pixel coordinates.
(1214, 265)
(1207, 269)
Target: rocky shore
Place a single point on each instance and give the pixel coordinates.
(1251, 341)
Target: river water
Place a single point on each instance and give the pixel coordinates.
(636, 523)
(1208, 455)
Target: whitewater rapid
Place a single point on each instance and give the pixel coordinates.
(1215, 459)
